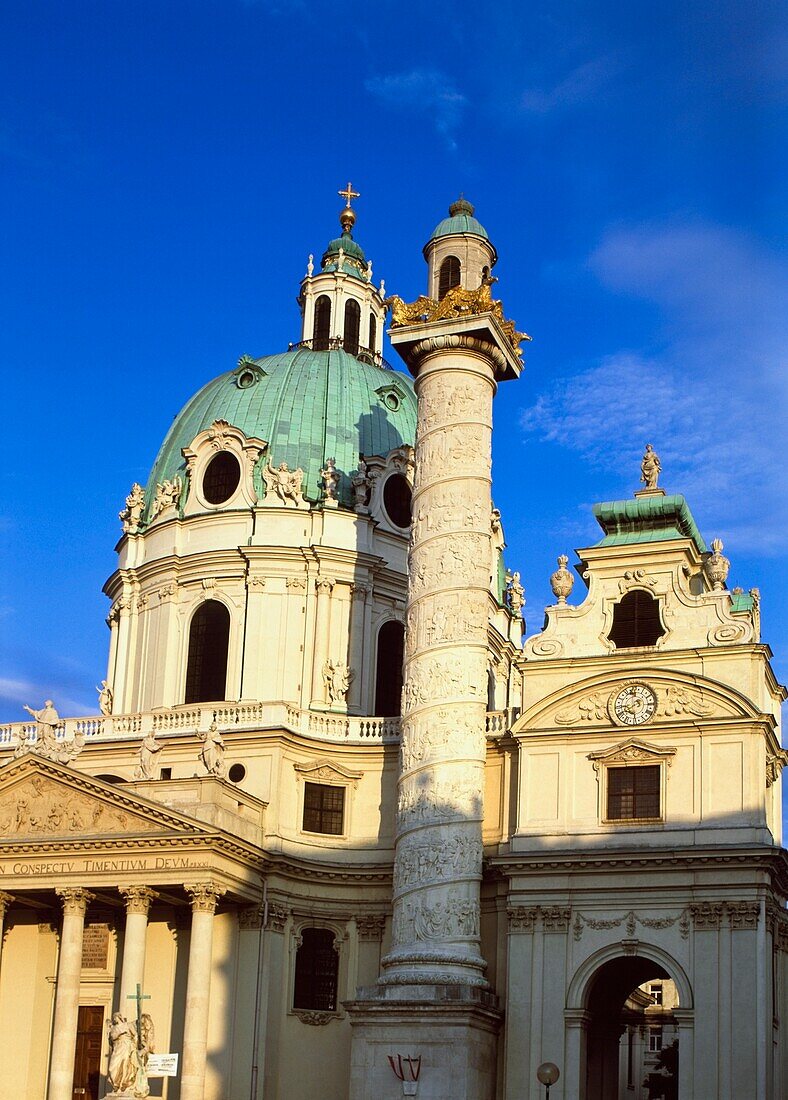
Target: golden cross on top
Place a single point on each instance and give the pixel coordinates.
(349, 194)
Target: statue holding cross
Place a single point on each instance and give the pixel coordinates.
(131, 1045)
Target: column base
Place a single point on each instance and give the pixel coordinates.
(452, 1029)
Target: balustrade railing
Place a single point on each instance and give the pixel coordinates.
(337, 343)
(323, 725)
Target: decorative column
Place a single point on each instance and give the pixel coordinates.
(69, 971)
(204, 898)
(438, 863)
(435, 968)
(138, 902)
(325, 586)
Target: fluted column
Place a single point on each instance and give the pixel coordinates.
(438, 864)
(324, 587)
(138, 901)
(204, 898)
(69, 971)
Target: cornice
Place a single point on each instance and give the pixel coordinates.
(772, 860)
(300, 869)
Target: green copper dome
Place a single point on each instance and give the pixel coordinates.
(308, 406)
(460, 220)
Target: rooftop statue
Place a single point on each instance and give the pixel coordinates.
(212, 751)
(149, 749)
(329, 478)
(650, 468)
(104, 697)
(131, 515)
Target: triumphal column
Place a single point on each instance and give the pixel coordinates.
(433, 1004)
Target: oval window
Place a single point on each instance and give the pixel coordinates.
(236, 773)
(221, 478)
(246, 379)
(396, 500)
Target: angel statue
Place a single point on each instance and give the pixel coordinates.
(337, 677)
(284, 483)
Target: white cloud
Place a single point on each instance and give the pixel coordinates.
(26, 692)
(712, 400)
(426, 91)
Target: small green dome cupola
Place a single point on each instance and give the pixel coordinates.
(459, 252)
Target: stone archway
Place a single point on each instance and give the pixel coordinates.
(597, 1013)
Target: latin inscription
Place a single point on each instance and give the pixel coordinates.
(32, 868)
(95, 947)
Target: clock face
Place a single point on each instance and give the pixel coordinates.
(634, 705)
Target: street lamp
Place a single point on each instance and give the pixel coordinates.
(547, 1075)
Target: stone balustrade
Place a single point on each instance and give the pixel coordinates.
(323, 726)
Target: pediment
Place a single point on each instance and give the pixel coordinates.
(678, 699)
(633, 751)
(41, 799)
(326, 771)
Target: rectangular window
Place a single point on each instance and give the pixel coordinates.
(633, 793)
(655, 1039)
(655, 989)
(324, 809)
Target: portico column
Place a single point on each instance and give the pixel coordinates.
(204, 897)
(69, 971)
(5, 902)
(138, 902)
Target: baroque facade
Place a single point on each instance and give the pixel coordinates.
(338, 829)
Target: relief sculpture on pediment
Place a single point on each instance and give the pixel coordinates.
(673, 701)
(38, 807)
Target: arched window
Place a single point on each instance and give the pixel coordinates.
(209, 639)
(322, 330)
(373, 332)
(388, 670)
(352, 326)
(316, 971)
(636, 621)
(449, 275)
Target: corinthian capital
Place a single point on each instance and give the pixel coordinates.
(204, 896)
(74, 899)
(138, 898)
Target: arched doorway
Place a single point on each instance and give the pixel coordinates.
(625, 1016)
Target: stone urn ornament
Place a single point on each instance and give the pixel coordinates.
(562, 580)
(717, 566)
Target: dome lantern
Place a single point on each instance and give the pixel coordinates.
(340, 306)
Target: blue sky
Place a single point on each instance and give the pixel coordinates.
(166, 167)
